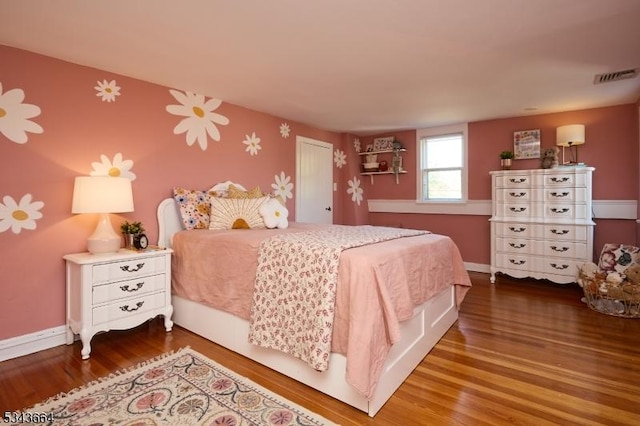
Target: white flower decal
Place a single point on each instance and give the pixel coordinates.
(107, 90)
(200, 118)
(253, 144)
(355, 190)
(283, 186)
(285, 130)
(356, 145)
(340, 158)
(117, 168)
(14, 115)
(19, 216)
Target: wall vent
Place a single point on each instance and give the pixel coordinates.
(615, 76)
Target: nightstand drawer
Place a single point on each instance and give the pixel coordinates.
(129, 288)
(127, 308)
(121, 270)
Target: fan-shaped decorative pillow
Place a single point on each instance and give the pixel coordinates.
(274, 213)
(236, 213)
(195, 207)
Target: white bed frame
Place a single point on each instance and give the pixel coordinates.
(419, 335)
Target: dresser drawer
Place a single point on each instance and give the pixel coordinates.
(562, 180)
(125, 269)
(127, 308)
(562, 249)
(566, 211)
(514, 181)
(566, 195)
(519, 230)
(119, 290)
(514, 210)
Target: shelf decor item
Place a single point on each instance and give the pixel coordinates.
(526, 144)
(383, 144)
(505, 159)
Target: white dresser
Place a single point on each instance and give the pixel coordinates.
(542, 222)
(116, 292)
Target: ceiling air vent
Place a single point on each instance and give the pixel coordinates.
(615, 76)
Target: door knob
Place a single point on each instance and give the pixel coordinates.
(328, 209)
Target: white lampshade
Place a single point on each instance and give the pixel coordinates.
(570, 135)
(104, 195)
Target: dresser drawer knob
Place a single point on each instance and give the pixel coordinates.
(126, 308)
(559, 180)
(557, 210)
(518, 194)
(559, 249)
(517, 262)
(514, 229)
(137, 268)
(519, 180)
(560, 232)
(556, 266)
(559, 194)
(128, 289)
(518, 246)
(517, 209)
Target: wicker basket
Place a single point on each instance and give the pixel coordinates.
(622, 300)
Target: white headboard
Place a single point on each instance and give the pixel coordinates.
(169, 221)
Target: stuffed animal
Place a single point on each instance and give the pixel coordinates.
(633, 273)
(550, 158)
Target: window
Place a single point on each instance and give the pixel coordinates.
(442, 174)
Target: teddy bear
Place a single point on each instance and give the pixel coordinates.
(633, 273)
(550, 158)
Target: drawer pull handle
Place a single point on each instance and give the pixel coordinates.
(561, 249)
(519, 180)
(514, 245)
(137, 268)
(560, 232)
(557, 180)
(557, 210)
(517, 209)
(556, 266)
(126, 308)
(518, 194)
(559, 194)
(129, 290)
(517, 262)
(513, 229)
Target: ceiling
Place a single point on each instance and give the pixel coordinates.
(359, 66)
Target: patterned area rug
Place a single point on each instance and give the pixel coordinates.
(182, 388)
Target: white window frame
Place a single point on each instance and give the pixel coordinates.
(461, 128)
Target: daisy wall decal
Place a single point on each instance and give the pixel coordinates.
(340, 158)
(107, 90)
(253, 144)
(116, 168)
(285, 130)
(282, 187)
(19, 216)
(355, 190)
(356, 145)
(200, 120)
(14, 116)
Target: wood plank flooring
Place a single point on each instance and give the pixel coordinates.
(523, 352)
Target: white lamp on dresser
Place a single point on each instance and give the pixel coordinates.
(104, 195)
(570, 136)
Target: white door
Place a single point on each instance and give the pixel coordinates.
(314, 176)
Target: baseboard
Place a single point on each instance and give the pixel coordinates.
(26, 344)
(477, 267)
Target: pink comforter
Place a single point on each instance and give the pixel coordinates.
(378, 286)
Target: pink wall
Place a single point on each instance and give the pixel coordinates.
(612, 142)
(77, 128)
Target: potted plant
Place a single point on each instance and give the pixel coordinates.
(505, 159)
(129, 231)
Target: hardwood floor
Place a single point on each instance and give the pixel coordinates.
(523, 352)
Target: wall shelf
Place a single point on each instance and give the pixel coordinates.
(395, 159)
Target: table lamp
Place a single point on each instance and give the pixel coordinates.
(570, 136)
(104, 195)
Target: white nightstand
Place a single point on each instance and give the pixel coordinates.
(116, 292)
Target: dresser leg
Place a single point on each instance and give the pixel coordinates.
(168, 324)
(85, 337)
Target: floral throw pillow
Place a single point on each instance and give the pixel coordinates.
(618, 257)
(195, 207)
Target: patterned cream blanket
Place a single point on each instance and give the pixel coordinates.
(295, 292)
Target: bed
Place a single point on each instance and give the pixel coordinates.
(361, 375)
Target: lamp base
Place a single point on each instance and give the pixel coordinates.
(104, 239)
